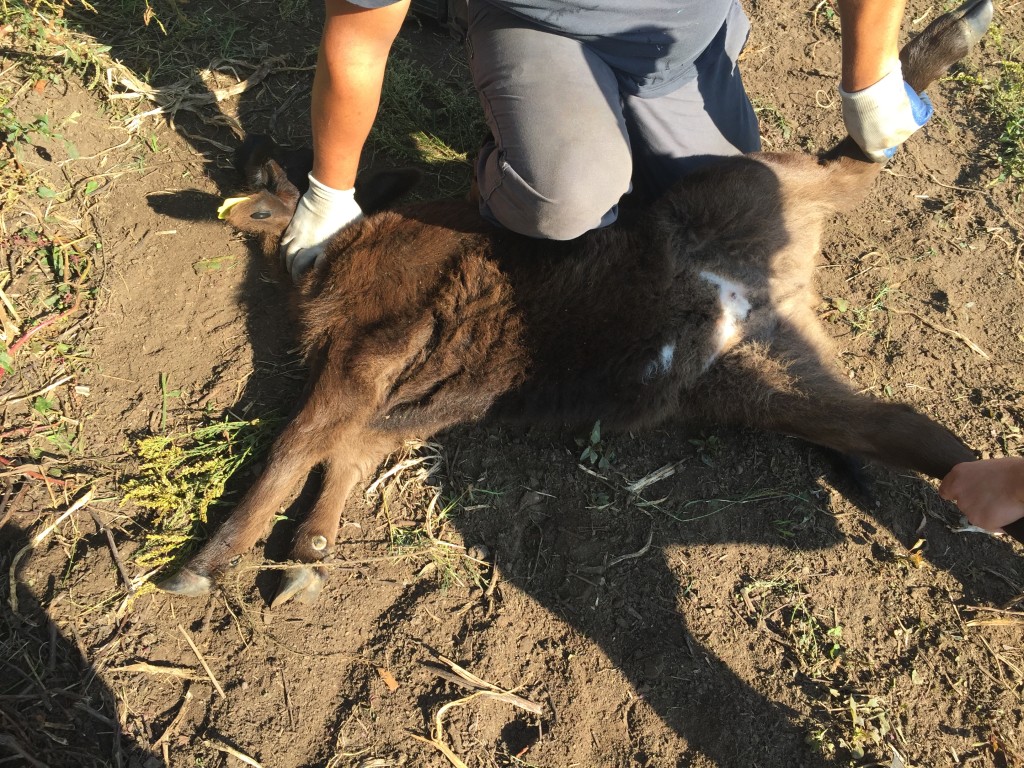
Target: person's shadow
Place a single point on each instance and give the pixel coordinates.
(55, 710)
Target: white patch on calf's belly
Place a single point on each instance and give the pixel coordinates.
(735, 309)
(662, 364)
(665, 360)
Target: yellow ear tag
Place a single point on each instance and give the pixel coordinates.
(227, 205)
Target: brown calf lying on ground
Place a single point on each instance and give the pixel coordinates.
(426, 317)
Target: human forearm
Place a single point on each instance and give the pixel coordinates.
(346, 93)
(871, 31)
(347, 85)
(880, 110)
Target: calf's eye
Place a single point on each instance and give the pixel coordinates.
(259, 215)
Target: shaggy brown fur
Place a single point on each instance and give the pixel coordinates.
(421, 318)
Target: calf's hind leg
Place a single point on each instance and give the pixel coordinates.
(787, 388)
(353, 458)
(295, 452)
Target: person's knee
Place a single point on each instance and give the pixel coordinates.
(566, 215)
(568, 197)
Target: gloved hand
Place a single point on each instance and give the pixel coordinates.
(884, 115)
(321, 212)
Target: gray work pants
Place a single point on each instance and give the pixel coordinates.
(568, 144)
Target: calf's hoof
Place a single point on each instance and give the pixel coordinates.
(303, 583)
(977, 16)
(186, 582)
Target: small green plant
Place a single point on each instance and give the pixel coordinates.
(15, 131)
(862, 319)
(817, 646)
(165, 396)
(1001, 100)
(867, 724)
(595, 451)
(825, 16)
(709, 449)
(797, 520)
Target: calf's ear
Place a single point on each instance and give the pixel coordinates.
(376, 190)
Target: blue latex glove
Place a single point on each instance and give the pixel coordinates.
(884, 115)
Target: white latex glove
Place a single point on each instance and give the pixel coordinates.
(321, 212)
(884, 115)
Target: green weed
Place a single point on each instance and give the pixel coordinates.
(862, 319)
(183, 476)
(596, 451)
(1000, 97)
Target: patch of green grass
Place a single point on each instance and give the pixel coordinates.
(847, 721)
(430, 535)
(1000, 97)
(55, 51)
(47, 272)
(428, 120)
(1006, 103)
(771, 117)
(183, 476)
(447, 561)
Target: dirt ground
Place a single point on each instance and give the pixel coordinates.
(744, 611)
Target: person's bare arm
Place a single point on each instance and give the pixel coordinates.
(349, 76)
(880, 110)
(347, 85)
(871, 30)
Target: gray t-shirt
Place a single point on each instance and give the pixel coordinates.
(651, 44)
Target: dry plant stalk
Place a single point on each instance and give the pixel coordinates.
(943, 329)
(178, 96)
(202, 661)
(165, 737)
(12, 599)
(155, 669)
(222, 747)
(482, 690)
